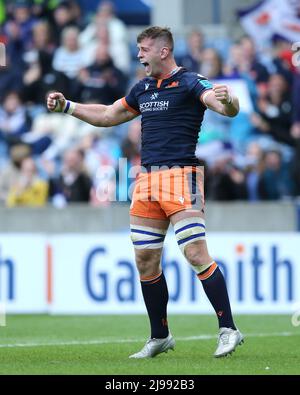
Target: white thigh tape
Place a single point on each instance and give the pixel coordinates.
(189, 230)
(144, 237)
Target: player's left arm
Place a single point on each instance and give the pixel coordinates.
(220, 100)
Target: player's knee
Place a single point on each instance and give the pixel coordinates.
(147, 261)
(148, 243)
(195, 255)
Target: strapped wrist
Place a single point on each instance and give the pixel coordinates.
(69, 107)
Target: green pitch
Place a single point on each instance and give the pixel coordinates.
(101, 345)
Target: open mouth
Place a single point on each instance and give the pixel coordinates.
(147, 67)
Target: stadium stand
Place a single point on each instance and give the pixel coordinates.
(56, 45)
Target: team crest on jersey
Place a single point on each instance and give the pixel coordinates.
(146, 86)
(154, 96)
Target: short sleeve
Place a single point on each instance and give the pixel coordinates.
(199, 85)
(130, 101)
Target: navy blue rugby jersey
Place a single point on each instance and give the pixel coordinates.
(172, 113)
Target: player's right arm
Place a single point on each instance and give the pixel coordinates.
(95, 114)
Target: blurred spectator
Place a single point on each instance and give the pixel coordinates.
(212, 64)
(102, 155)
(131, 145)
(295, 131)
(29, 189)
(14, 119)
(233, 62)
(42, 37)
(102, 81)
(78, 18)
(296, 102)
(64, 15)
(69, 57)
(73, 184)
(274, 182)
(249, 63)
(109, 30)
(14, 46)
(275, 111)
(282, 59)
(40, 77)
(226, 181)
(253, 169)
(193, 57)
(42, 9)
(15, 124)
(10, 79)
(10, 172)
(19, 31)
(295, 167)
(62, 131)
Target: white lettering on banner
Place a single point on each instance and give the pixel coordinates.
(260, 271)
(91, 275)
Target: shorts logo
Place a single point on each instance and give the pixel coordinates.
(181, 199)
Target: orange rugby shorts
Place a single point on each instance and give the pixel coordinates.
(159, 194)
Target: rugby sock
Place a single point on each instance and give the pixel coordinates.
(156, 296)
(214, 286)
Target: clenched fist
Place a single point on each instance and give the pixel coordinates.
(222, 94)
(56, 102)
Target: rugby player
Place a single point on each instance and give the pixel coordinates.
(172, 102)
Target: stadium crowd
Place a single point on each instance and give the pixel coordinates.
(50, 157)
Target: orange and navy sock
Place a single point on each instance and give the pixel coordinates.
(156, 296)
(214, 286)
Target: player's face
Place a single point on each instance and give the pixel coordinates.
(150, 52)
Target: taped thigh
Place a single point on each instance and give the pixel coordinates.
(145, 237)
(189, 230)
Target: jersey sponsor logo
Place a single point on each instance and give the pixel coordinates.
(162, 105)
(146, 86)
(173, 84)
(154, 96)
(206, 84)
